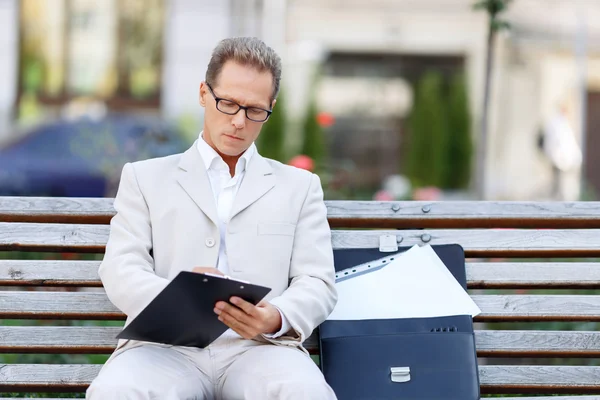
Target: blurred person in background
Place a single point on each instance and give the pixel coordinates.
(561, 148)
(222, 208)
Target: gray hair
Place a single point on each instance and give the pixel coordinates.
(248, 51)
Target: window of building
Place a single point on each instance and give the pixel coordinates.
(110, 50)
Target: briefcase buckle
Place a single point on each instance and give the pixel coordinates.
(400, 374)
(389, 243)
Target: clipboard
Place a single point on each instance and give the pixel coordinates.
(182, 313)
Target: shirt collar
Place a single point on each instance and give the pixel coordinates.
(211, 158)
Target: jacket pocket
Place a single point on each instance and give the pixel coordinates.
(276, 229)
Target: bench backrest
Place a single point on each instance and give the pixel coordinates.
(526, 262)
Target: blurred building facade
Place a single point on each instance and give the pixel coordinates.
(548, 59)
(368, 55)
(8, 62)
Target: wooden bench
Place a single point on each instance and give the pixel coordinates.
(496, 238)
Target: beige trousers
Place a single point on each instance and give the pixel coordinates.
(231, 368)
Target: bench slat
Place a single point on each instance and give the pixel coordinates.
(494, 379)
(49, 273)
(539, 379)
(53, 237)
(503, 398)
(477, 243)
(56, 209)
(486, 243)
(102, 340)
(57, 305)
(376, 214)
(554, 398)
(537, 343)
(58, 339)
(463, 214)
(91, 305)
(479, 275)
(537, 275)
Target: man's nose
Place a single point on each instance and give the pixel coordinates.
(239, 119)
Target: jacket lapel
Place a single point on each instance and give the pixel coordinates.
(194, 180)
(258, 181)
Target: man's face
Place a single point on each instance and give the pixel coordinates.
(231, 135)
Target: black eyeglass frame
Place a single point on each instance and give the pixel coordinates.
(218, 99)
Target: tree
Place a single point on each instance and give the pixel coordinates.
(460, 142)
(270, 142)
(426, 153)
(494, 8)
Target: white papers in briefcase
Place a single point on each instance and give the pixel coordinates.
(416, 284)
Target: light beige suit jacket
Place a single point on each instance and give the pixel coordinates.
(278, 236)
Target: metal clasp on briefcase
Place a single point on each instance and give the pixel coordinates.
(400, 374)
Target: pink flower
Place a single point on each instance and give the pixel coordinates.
(427, 193)
(383, 195)
(303, 162)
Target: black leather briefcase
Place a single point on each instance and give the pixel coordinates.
(412, 358)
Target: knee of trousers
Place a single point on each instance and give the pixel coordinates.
(294, 390)
(313, 390)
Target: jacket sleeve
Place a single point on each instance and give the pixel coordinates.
(127, 270)
(311, 295)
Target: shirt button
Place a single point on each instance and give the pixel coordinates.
(209, 242)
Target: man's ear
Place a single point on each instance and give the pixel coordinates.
(202, 94)
(273, 104)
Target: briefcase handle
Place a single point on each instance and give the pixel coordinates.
(400, 374)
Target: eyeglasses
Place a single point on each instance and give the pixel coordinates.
(231, 108)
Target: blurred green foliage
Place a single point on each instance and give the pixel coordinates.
(459, 152)
(440, 146)
(428, 135)
(271, 140)
(314, 144)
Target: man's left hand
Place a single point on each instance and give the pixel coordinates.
(247, 319)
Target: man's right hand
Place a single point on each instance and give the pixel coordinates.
(210, 270)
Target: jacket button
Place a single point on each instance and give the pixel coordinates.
(210, 242)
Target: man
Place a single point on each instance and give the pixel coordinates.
(562, 150)
(222, 208)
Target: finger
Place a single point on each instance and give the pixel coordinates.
(241, 316)
(245, 306)
(238, 326)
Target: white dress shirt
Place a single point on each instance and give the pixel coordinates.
(225, 188)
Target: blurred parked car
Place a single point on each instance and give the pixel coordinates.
(84, 157)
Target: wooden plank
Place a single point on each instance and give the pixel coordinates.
(487, 275)
(532, 308)
(376, 214)
(53, 237)
(477, 243)
(56, 209)
(503, 398)
(536, 275)
(58, 339)
(486, 243)
(102, 340)
(493, 379)
(537, 343)
(553, 398)
(57, 305)
(49, 273)
(463, 214)
(540, 379)
(47, 377)
(95, 305)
